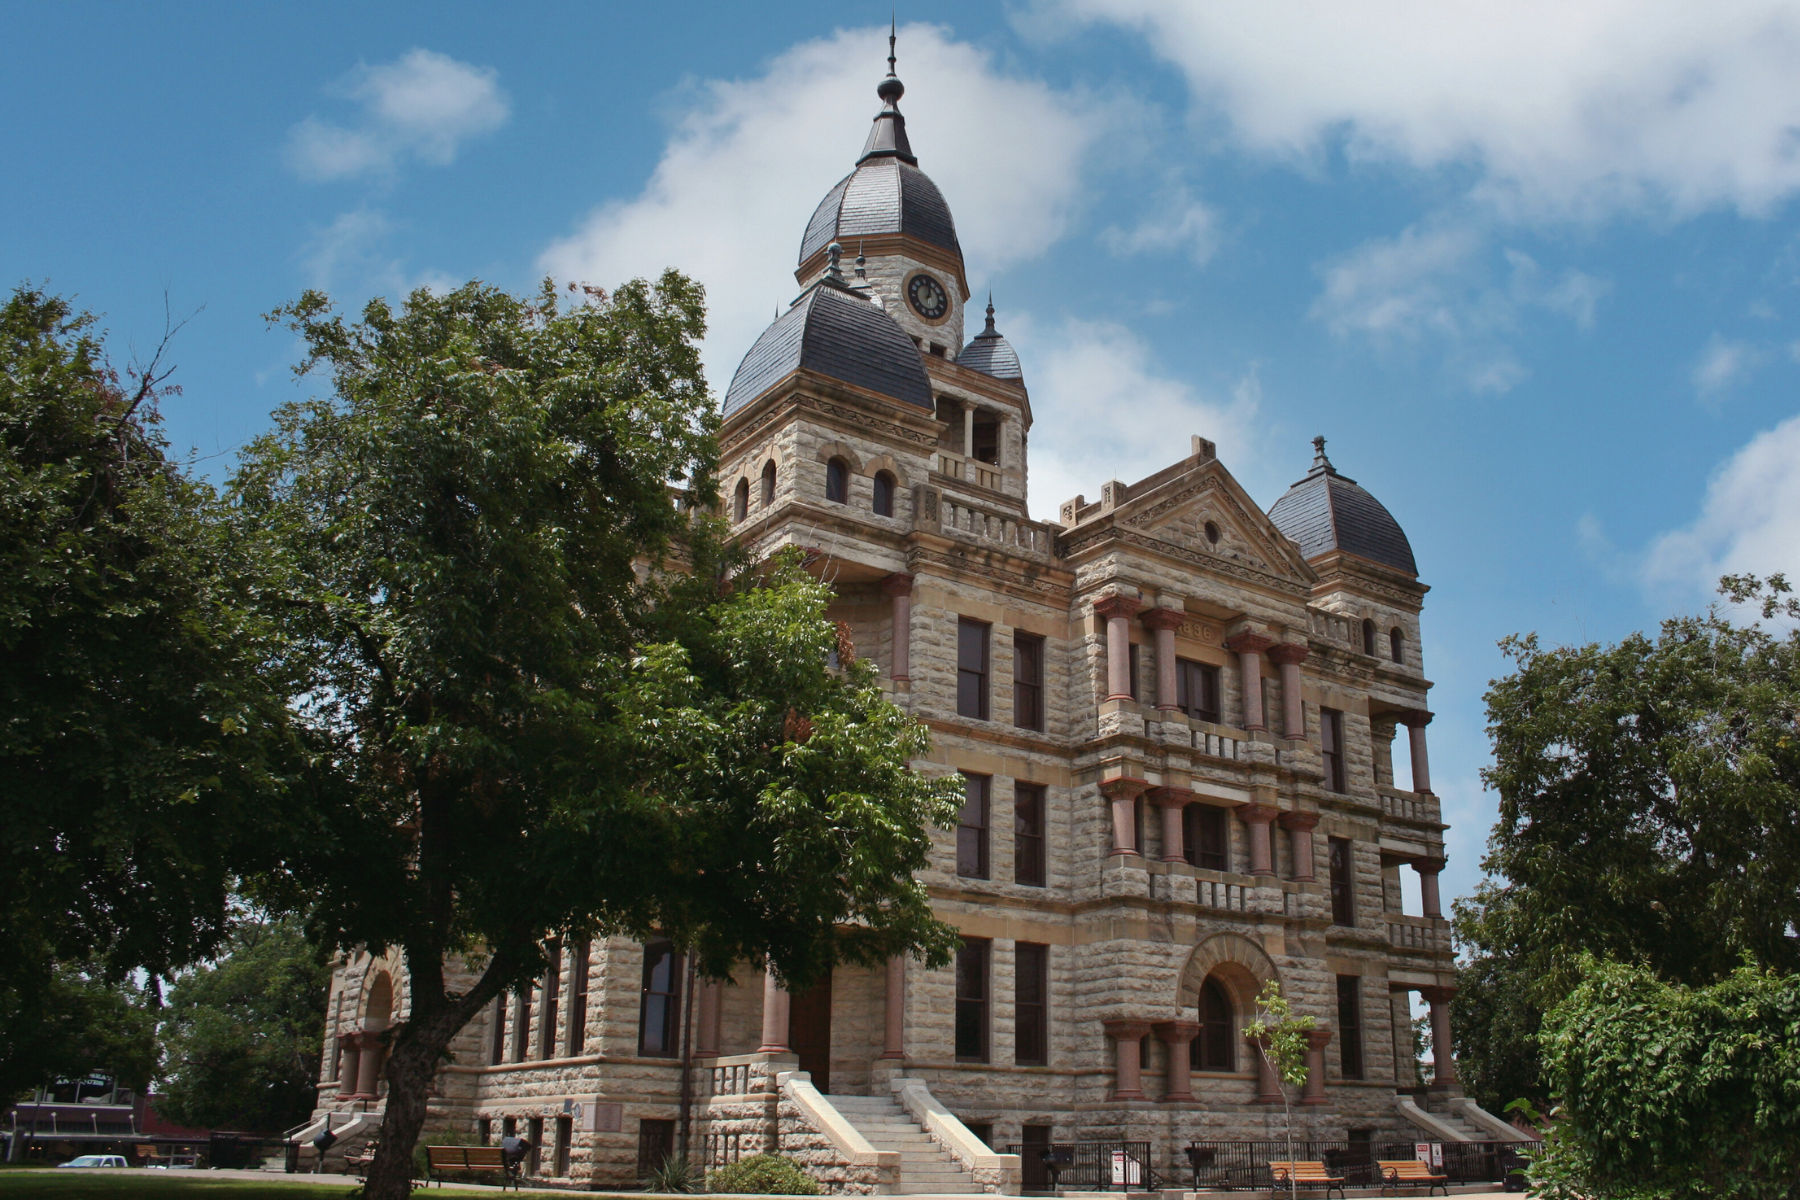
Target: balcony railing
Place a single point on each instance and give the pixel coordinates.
(987, 525)
(972, 470)
(1410, 806)
(1423, 935)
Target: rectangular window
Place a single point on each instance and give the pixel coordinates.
(972, 829)
(579, 951)
(564, 1127)
(1028, 681)
(656, 1142)
(534, 1159)
(1028, 834)
(1349, 1015)
(658, 1027)
(521, 1024)
(1131, 668)
(1031, 1004)
(972, 669)
(1331, 747)
(552, 994)
(972, 1001)
(498, 1053)
(1034, 1140)
(1208, 839)
(1197, 690)
(1343, 883)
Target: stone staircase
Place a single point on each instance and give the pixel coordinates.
(1470, 1131)
(926, 1168)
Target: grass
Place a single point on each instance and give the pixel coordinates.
(182, 1185)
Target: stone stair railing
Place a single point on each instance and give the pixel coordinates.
(846, 1158)
(997, 1173)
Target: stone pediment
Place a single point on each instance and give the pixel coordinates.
(1203, 512)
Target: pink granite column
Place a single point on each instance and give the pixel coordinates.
(1314, 1092)
(349, 1056)
(1171, 800)
(1123, 793)
(368, 1070)
(1176, 1035)
(894, 1043)
(1442, 1055)
(1164, 622)
(706, 1017)
(775, 1016)
(1300, 840)
(1127, 1036)
(1256, 818)
(1268, 1084)
(899, 590)
(1288, 656)
(1249, 647)
(1118, 611)
(1428, 869)
(1415, 721)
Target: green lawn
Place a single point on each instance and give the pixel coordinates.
(164, 1185)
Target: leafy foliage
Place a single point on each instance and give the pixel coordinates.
(1673, 1092)
(673, 1174)
(79, 1025)
(1281, 1038)
(763, 1175)
(242, 1037)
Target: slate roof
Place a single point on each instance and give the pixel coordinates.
(990, 353)
(838, 334)
(1326, 511)
(883, 195)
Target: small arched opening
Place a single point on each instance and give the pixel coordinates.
(884, 494)
(837, 481)
(740, 500)
(1368, 631)
(378, 1008)
(1215, 1047)
(768, 483)
(1397, 644)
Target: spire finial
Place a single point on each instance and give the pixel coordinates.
(861, 274)
(893, 29)
(833, 271)
(990, 313)
(1319, 459)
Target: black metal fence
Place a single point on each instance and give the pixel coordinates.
(1087, 1166)
(1244, 1166)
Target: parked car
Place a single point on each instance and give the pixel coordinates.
(95, 1160)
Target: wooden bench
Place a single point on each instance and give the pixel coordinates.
(466, 1160)
(1410, 1172)
(357, 1161)
(1304, 1174)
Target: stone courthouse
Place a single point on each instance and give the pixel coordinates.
(1175, 714)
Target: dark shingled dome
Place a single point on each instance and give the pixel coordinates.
(990, 353)
(836, 333)
(1326, 512)
(882, 196)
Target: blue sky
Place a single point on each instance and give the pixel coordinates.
(1531, 267)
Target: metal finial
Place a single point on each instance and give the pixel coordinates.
(990, 312)
(860, 273)
(1319, 459)
(893, 29)
(834, 252)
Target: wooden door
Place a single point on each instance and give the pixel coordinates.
(809, 1032)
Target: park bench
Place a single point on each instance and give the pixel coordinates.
(1410, 1172)
(466, 1160)
(357, 1161)
(1304, 1174)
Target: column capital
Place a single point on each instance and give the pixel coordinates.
(1428, 866)
(1127, 1030)
(1257, 814)
(1438, 995)
(1414, 718)
(898, 584)
(1158, 617)
(1175, 797)
(1117, 605)
(1123, 787)
(1288, 653)
(1248, 641)
(1177, 1033)
(1318, 1039)
(1300, 822)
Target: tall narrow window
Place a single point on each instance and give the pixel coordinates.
(658, 1031)
(497, 1054)
(1349, 1015)
(578, 995)
(1031, 1004)
(884, 494)
(768, 483)
(1331, 747)
(1207, 840)
(1368, 632)
(552, 990)
(1028, 834)
(1028, 681)
(740, 500)
(1131, 668)
(1197, 690)
(1215, 1049)
(1396, 645)
(1343, 883)
(560, 1165)
(972, 829)
(972, 1001)
(522, 1024)
(972, 669)
(837, 481)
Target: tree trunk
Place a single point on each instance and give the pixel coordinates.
(411, 1065)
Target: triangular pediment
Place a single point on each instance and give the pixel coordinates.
(1177, 509)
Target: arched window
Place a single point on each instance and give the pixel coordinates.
(837, 481)
(1215, 1049)
(768, 483)
(740, 501)
(1368, 637)
(884, 494)
(1397, 644)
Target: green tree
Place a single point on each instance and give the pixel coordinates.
(1281, 1039)
(78, 1025)
(242, 1037)
(1649, 812)
(1673, 1092)
(523, 726)
(137, 732)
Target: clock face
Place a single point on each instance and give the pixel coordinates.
(928, 297)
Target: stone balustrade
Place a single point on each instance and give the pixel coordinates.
(957, 516)
(1410, 806)
(1422, 935)
(955, 466)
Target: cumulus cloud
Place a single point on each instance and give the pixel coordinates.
(1181, 224)
(1723, 363)
(1749, 521)
(423, 105)
(750, 159)
(1106, 411)
(1566, 110)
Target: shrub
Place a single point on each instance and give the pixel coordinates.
(763, 1175)
(672, 1174)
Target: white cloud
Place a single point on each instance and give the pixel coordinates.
(749, 160)
(1561, 109)
(352, 248)
(1104, 411)
(423, 105)
(1724, 362)
(1180, 224)
(1749, 521)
